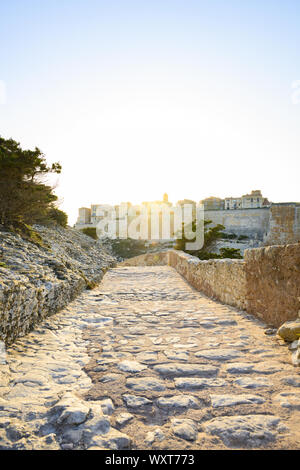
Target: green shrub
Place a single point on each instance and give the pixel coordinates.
(90, 232)
(58, 217)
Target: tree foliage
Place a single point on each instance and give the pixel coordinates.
(128, 248)
(90, 232)
(24, 198)
(211, 234)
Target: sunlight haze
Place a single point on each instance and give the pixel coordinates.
(134, 99)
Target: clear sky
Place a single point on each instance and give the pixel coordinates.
(136, 98)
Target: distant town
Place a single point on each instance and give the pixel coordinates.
(93, 215)
(251, 216)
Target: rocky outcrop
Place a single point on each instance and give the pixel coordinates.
(37, 280)
(290, 330)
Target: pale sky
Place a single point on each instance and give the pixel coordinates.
(138, 98)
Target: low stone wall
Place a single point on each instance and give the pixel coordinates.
(266, 283)
(223, 280)
(273, 282)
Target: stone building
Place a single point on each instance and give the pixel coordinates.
(213, 204)
(84, 216)
(254, 200)
(250, 216)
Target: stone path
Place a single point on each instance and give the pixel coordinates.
(146, 362)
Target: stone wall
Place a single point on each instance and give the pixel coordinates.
(39, 280)
(254, 223)
(273, 282)
(266, 283)
(223, 280)
(284, 225)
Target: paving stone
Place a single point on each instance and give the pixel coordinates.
(123, 419)
(253, 382)
(186, 346)
(181, 370)
(136, 402)
(198, 384)
(153, 352)
(177, 355)
(131, 366)
(219, 401)
(293, 380)
(156, 435)
(147, 357)
(290, 400)
(110, 378)
(246, 431)
(260, 368)
(145, 384)
(113, 440)
(178, 401)
(184, 428)
(218, 354)
(70, 410)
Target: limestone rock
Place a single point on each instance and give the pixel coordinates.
(290, 330)
(39, 281)
(185, 428)
(181, 370)
(136, 402)
(178, 401)
(294, 345)
(198, 384)
(293, 380)
(249, 382)
(131, 366)
(289, 400)
(156, 435)
(70, 410)
(219, 401)
(107, 406)
(296, 357)
(114, 440)
(145, 383)
(124, 419)
(219, 354)
(249, 430)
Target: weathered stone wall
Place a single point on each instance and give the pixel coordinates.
(37, 281)
(284, 224)
(273, 282)
(266, 283)
(223, 280)
(254, 223)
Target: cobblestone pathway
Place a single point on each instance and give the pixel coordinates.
(146, 362)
